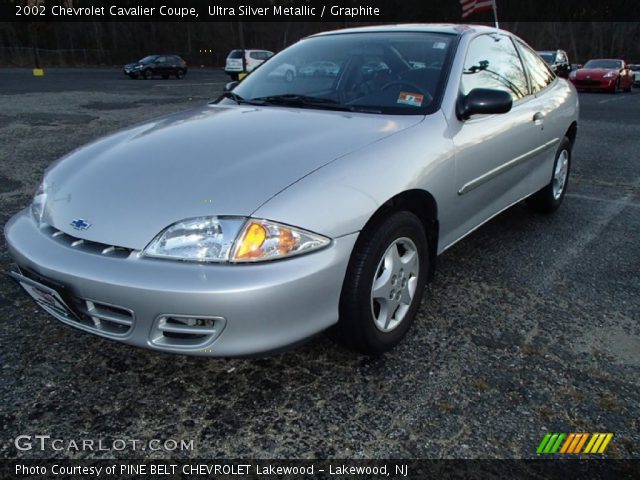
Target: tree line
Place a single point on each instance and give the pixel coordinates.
(207, 43)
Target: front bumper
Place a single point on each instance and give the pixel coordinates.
(251, 309)
(595, 84)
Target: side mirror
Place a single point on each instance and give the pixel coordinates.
(483, 101)
(231, 85)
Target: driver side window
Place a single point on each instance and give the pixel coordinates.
(493, 62)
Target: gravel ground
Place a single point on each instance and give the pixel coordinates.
(531, 324)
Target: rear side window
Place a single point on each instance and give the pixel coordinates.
(493, 62)
(235, 54)
(540, 74)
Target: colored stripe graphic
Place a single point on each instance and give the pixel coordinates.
(573, 443)
(543, 443)
(598, 443)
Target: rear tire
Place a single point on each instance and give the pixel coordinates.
(383, 285)
(180, 74)
(549, 198)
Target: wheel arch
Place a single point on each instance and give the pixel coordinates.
(424, 206)
(572, 132)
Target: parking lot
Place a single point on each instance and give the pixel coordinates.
(532, 323)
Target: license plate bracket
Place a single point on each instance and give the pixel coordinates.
(47, 298)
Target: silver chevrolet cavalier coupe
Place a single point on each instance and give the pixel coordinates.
(347, 188)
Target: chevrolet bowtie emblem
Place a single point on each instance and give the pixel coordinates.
(80, 224)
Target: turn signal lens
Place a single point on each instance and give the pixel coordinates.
(253, 238)
(265, 240)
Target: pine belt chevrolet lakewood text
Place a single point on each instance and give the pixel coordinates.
(350, 183)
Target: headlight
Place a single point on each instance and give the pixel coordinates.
(39, 203)
(609, 75)
(202, 239)
(231, 239)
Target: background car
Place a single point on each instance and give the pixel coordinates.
(244, 61)
(286, 70)
(612, 75)
(157, 65)
(558, 60)
(635, 68)
(320, 69)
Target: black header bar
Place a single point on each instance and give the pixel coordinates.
(312, 11)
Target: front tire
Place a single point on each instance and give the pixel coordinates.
(147, 74)
(383, 285)
(549, 198)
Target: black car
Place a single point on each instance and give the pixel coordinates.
(558, 60)
(157, 65)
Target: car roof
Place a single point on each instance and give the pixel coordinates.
(450, 28)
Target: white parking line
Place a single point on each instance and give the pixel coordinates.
(187, 84)
(611, 99)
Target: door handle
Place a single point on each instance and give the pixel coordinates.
(538, 119)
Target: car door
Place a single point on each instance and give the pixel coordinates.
(545, 102)
(171, 65)
(157, 66)
(493, 152)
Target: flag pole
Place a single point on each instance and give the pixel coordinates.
(495, 13)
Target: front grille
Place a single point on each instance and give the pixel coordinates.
(86, 245)
(185, 332)
(589, 83)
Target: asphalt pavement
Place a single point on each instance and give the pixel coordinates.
(530, 326)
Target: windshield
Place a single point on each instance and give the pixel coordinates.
(148, 59)
(384, 72)
(548, 57)
(603, 64)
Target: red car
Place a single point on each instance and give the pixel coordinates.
(604, 74)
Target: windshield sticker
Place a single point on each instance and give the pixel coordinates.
(439, 45)
(413, 99)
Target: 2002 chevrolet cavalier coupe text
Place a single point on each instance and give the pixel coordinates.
(160, 236)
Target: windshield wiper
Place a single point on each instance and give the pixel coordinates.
(301, 101)
(240, 100)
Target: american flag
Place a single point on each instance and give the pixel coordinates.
(472, 6)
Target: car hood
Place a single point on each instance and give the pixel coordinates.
(214, 160)
(593, 72)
